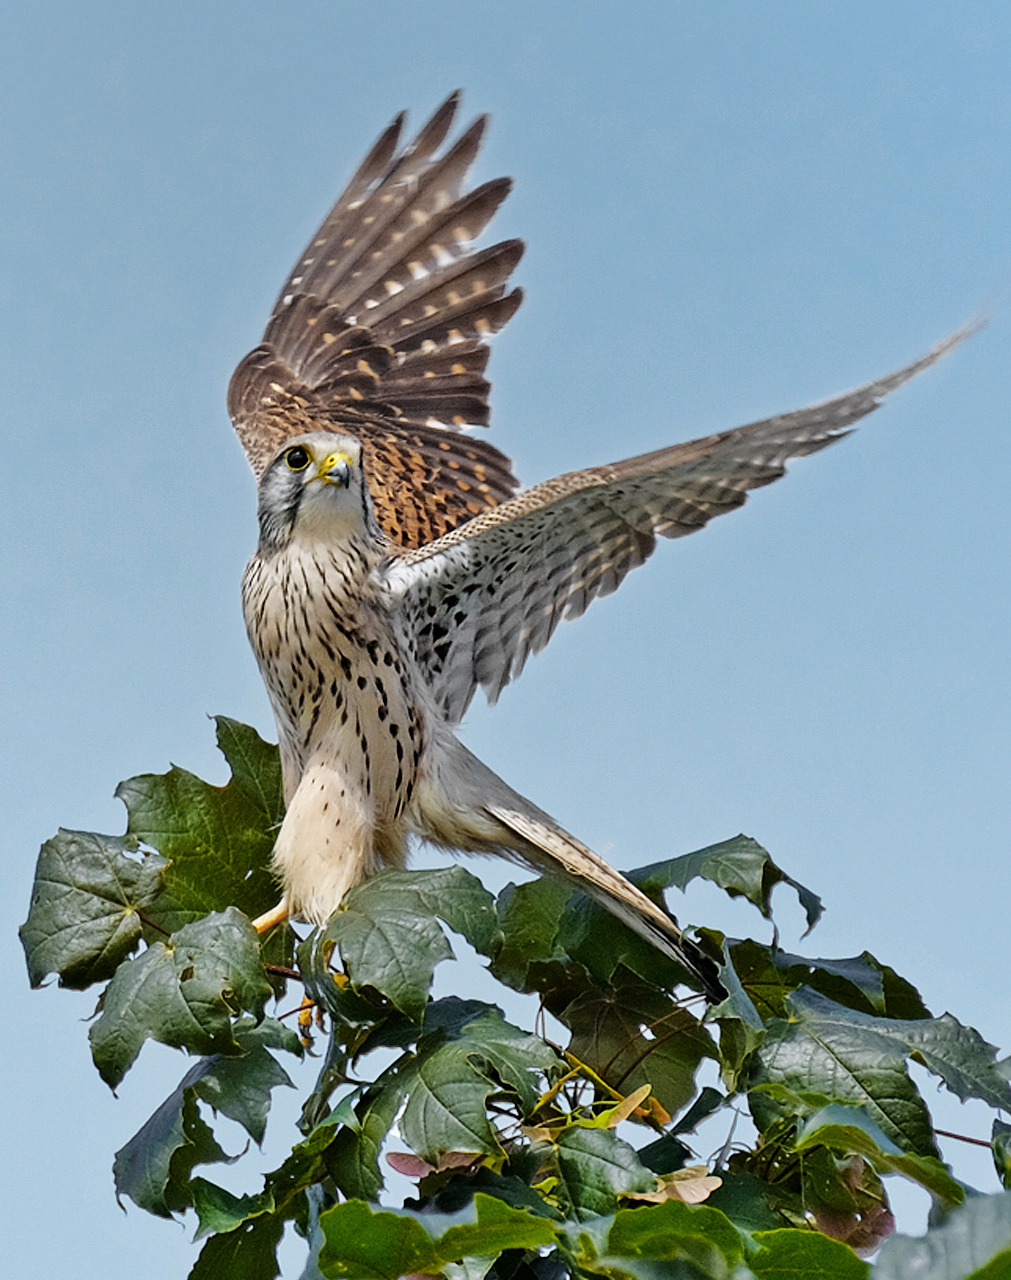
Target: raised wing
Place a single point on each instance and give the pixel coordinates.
(478, 602)
(380, 332)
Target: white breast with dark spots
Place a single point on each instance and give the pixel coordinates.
(338, 684)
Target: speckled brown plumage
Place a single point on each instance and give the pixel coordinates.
(380, 333)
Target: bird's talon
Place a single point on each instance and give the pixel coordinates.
(309, 1012)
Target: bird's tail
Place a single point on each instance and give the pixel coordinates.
(485, 815)
(551, 851)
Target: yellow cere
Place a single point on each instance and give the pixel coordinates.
(331, 461)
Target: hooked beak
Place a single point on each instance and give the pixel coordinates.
(334, 469)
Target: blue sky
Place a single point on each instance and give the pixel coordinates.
(731, 210)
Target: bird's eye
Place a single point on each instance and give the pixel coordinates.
(297, 459)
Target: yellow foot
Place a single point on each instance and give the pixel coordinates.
(276, 915)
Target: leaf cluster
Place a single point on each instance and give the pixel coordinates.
(533, 1154)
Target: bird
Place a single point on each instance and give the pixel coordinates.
(398, 569)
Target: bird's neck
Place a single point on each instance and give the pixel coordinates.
(354, 549)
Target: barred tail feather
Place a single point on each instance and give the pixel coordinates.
(553, 852)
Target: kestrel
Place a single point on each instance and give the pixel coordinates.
(396, 572)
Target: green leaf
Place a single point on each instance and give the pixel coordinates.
(278, 947)
(603, 945)
(901, 998)
(389, 937)
(255, 765)
(860, 982)
(247, 1253)
(672, 1231)
(240, 1087)
(388, 946)
(87, 900)
(154, 1167)
(761, 980)
(219, 1211)
(635, 1034)
(843, 1056)
(958, 1054)
(497, 1227)
(741, 1027)
(448, 1083)
(665, 1155)
(850, 1129)
(302, 1170)
(505, 1188)
(182, 993)
(458, 898)
(446, 1104)
(743, 1198)
(706, 1104)
(451, 893)
(739, 866)
(1000, 1143)
(517, 1058)
(219, 839)
(467, 1052)
(362, 1245)
(352, 1160)
(973, 1244)
(357, 1014)
(804, 1255)
(528, 916)
(846, 1199)
(595, 1166)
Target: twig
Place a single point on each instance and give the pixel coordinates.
(960, 1137)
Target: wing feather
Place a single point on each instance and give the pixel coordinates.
(380, 332)
(384, 184)
(478, 602)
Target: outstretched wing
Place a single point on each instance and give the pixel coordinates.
(475, 604)
(380, 332)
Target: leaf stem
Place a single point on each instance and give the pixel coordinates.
(151, 925)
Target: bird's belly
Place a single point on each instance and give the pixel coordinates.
(356, 712)
(371, 734)
(353, 742)
(350, 727)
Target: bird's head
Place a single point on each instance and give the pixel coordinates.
(314, 487)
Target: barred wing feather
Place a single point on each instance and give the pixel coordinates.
(476, 603)
(380, 331)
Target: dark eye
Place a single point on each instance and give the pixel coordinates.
(297, 459)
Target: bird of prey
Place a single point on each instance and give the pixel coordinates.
(397, 571)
